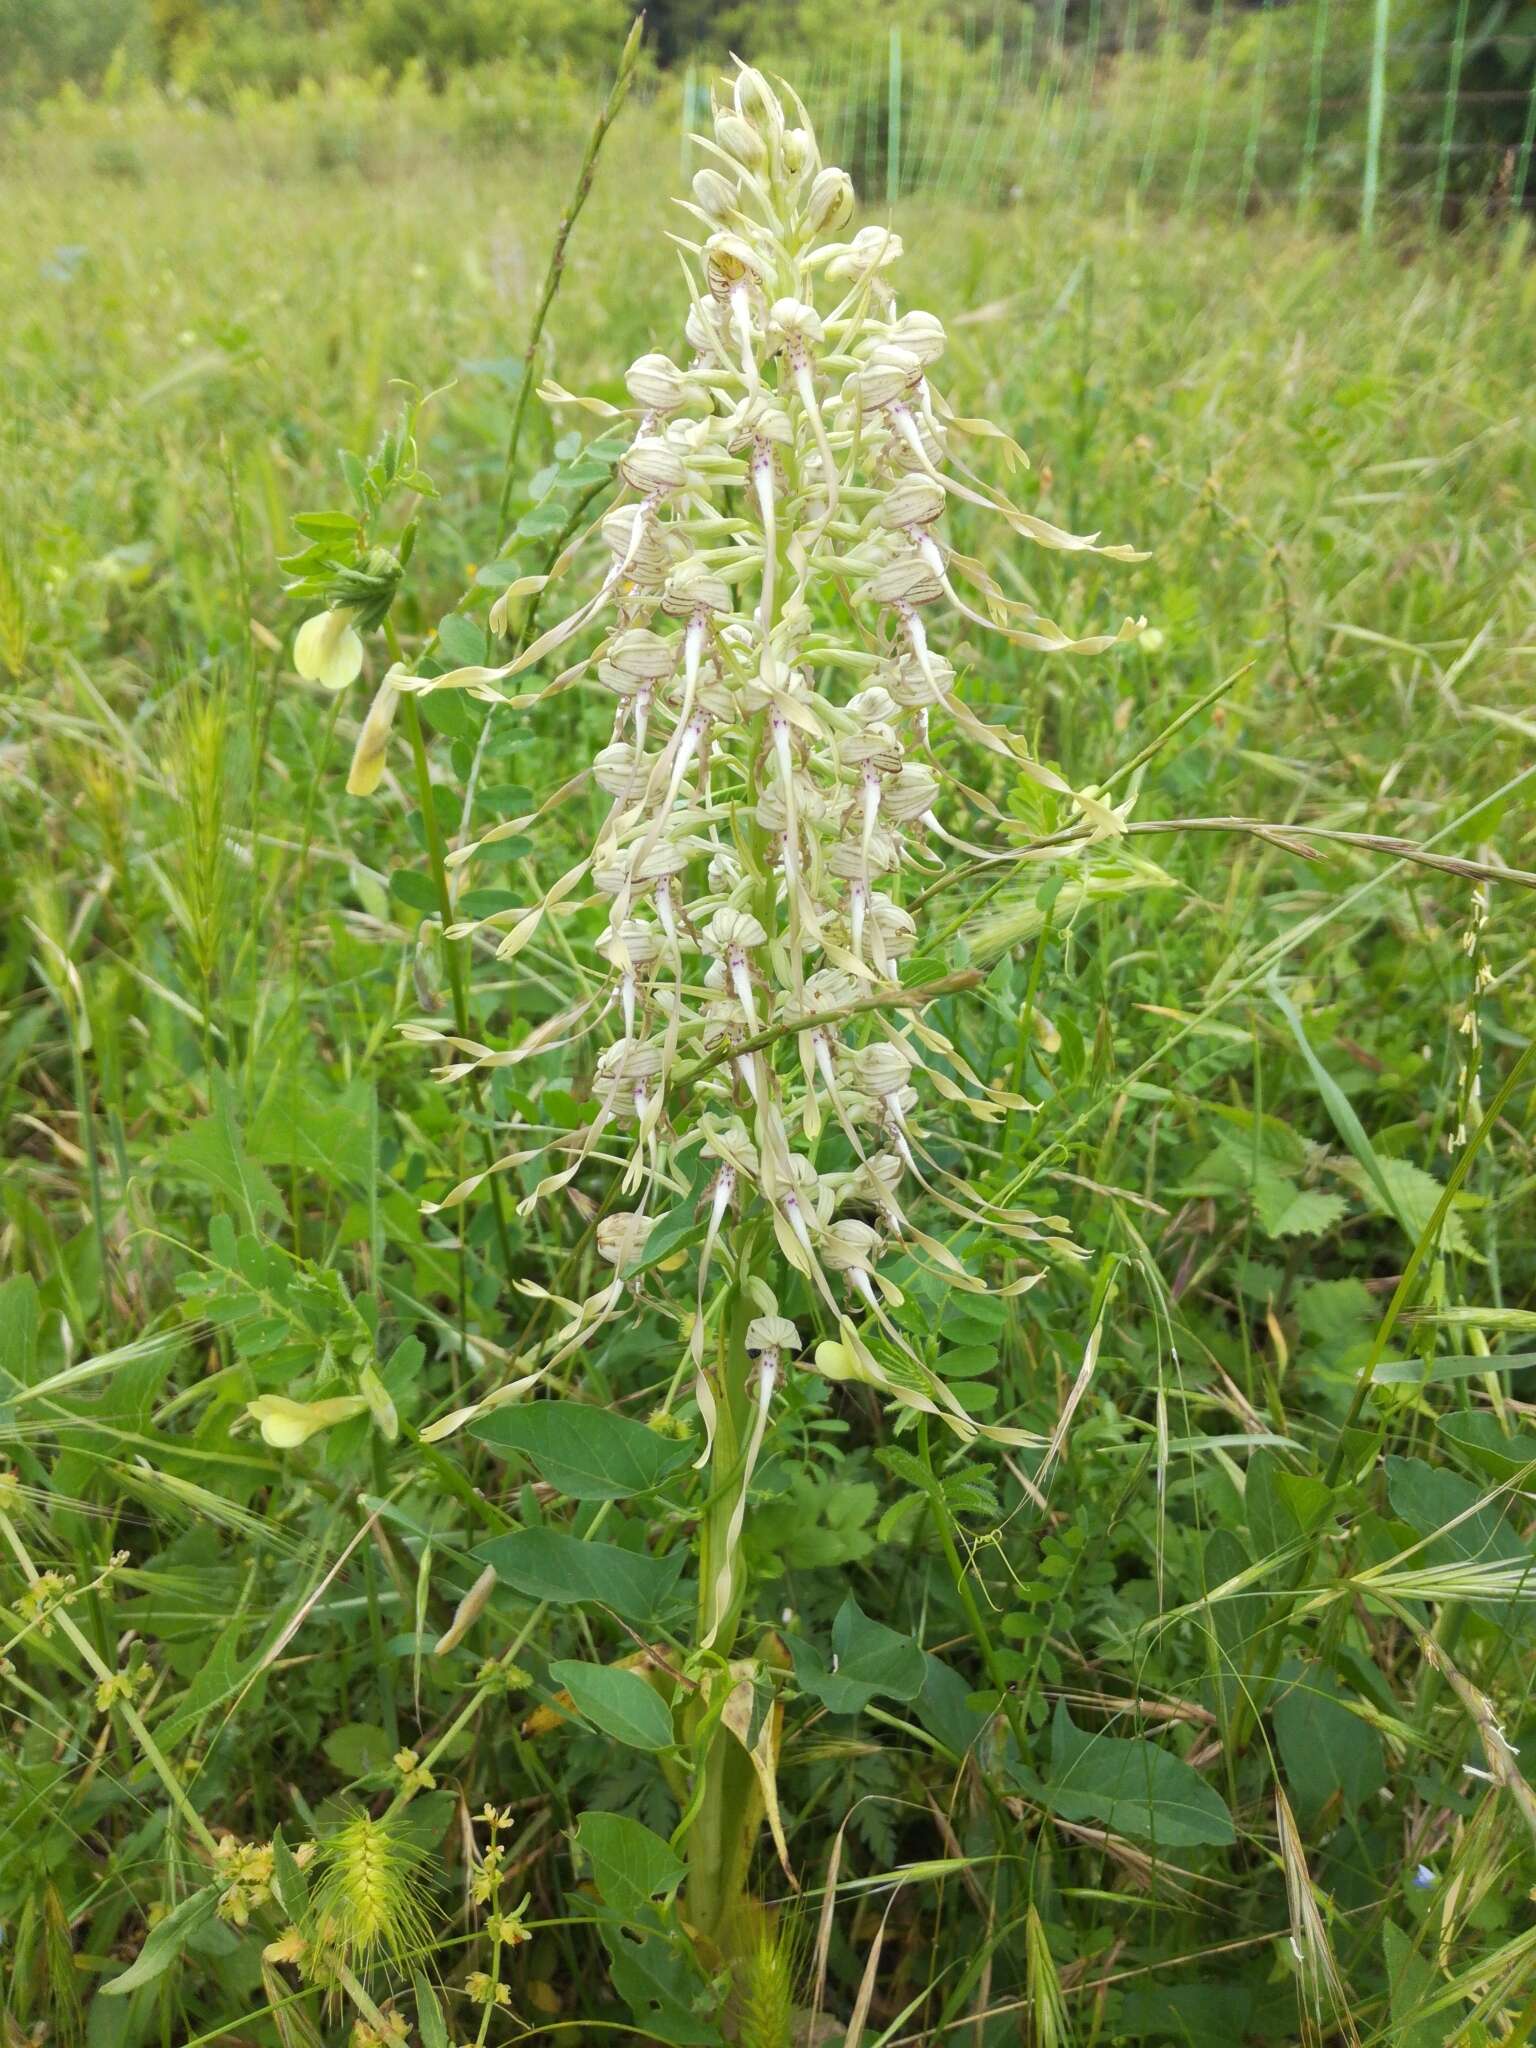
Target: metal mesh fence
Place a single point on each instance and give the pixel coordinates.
(1325, 107)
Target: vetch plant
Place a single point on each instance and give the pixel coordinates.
(778, 788)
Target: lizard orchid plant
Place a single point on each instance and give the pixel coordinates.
(768, 630)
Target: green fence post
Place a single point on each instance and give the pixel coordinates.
(1523, 161)
(1314, 104)
(1374, 118)
(1448, 124)
(1251, 149)
(683, 149)
(893, 120)
(1207, 100)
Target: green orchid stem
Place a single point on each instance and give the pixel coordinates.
(721, 1819)
(453, 958)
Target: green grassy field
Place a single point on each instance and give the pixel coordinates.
(1262, 1056)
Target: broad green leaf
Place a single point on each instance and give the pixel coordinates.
(618, 1702)
(415, 890)
(165, 1942)
(1133, 1787)
(1282, 1506)
(630, 1865)
(1298, 1212)
(462, 641)
(1431, 1500)
(546, 1564)
(585, 1453)
(867, 1659)
(211, 1151)
(1326, 1750)
(1479, 1440)
(358, 1749)
(1412, 1982)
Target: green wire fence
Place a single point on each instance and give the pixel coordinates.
(1332, 107)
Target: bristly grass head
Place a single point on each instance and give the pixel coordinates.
(372, 1897)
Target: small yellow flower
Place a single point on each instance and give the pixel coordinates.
(372, 749)
(415, 1773)
(485, 1990)
(327, 649)
(289, 1947)
(286, 1424)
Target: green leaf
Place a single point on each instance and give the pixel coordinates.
(416, 890)
(211, 1151)
(461, 641)
(585, 1453)
(1430, 1500)
(289, 1881)
(429, 2015)
(339, 526)
(546, 1564)
(1327, 1751)
(517, 847)
(20, 1311)
(620, 1703)
(1340, 1111)
(1133, 1787)
(1411, 1197)
(1479, 1440)
(1282, 1506)
(868, 1659)
(1412, 1982)
(630, 1865)
(1296, 1212)
(358, 1749)
(165, 1942)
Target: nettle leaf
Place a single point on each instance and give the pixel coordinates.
(585, 1453)
(212, 1151)
(546, 1564)
(630, 1865)
(1286, 1211)
(868, 1659)
(1409, 1194)
(1133, 1787)
(618, 1702)
(165, 1942)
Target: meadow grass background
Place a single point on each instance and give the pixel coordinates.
(1328, 451)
